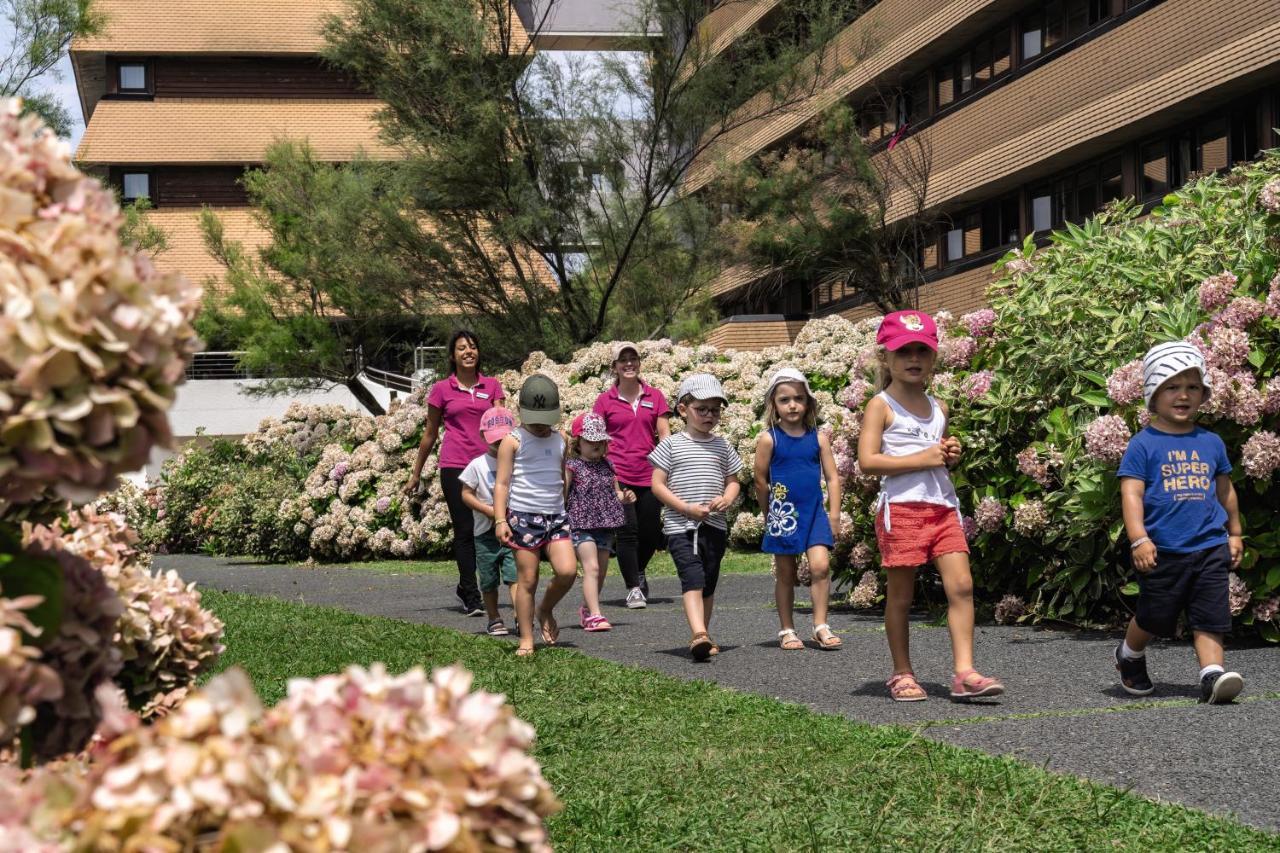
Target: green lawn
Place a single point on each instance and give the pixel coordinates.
(643, 761)
(735, 562)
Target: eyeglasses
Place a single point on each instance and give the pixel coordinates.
(707, 411)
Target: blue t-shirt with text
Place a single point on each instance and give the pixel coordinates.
(1180, 506)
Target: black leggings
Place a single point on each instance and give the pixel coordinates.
(640, 537)
(464, 537)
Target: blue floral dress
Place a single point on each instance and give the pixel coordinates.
(797, 516)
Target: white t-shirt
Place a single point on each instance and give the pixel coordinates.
(480, 474)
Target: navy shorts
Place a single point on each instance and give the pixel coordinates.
(604, 537)
(701, 570)
(1195, 582)
(533, 531)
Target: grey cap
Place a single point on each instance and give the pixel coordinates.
(539, 401)
(701, 386)
(787, 374)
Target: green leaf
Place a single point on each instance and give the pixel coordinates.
(1131, 588)
(24, 574)
(1095, 398)
(1257, 358)
(1095, 377)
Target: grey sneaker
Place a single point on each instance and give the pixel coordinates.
(636, 599)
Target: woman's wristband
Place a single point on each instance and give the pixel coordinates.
(1141, 540)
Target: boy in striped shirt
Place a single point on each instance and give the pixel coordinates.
(695, 477)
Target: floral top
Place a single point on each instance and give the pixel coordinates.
(593, 504)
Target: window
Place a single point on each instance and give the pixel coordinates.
(136, 185)
(917, 100)
(984, 61)
(1043, 215)
(1000, 223)
(1153, 163)
(132, 77)
(1212, 144)
(1056, 23)
(946, 85)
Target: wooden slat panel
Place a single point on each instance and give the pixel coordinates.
(260, 77)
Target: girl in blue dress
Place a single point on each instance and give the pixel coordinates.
(792, 460)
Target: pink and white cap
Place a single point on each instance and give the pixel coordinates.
(589, 427)
(907, 327)
(496, 424)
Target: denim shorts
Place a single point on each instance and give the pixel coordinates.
(604, 537)
(533, 531)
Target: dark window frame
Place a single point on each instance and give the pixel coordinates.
(151, 185)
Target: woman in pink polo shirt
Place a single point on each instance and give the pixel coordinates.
(458, 402)
(635, 416)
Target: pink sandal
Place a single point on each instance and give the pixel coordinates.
(596, 623)
(972, 684)
(903, 687)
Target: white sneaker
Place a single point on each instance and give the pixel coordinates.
(636, 599)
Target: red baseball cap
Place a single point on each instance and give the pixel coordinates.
(907, 327)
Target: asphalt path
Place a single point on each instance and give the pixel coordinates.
(1064, 709)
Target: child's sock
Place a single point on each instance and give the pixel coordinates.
(1129, 654)
(1213, 667)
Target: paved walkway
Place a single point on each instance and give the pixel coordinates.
(1063, 711)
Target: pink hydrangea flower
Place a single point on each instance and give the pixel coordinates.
(1107, 438)
(1009, 609)
(976, 385)
(865, 594)
(1229, 347)
(1271, 396)
(1267, 610)
(1246, 404)
(1272, 307)
(1215, 291)
(979, 323)
(1030, 518)
(989, 515)
(860, 555)
(970, 527)
(1124, 385)
(1270, 196)
(1237, 593)
(1261, 454)
(854, 395)
(957, 352)
(1243, 312)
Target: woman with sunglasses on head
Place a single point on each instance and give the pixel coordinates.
(458, 402)
(636, 418)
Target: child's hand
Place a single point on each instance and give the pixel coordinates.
(935, 457)
(504, 533)
(1235, 544)
(627, 496)
(835, 525)
(1144, 557)
(952, 447)
(698, 512)
(719, 504)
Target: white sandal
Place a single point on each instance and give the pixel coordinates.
(782, 640)
(831, 642)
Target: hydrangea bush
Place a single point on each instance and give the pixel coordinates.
(357, 761)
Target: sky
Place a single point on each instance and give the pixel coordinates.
(65, 89)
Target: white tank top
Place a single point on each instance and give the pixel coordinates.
(906, 435)
(537, 478)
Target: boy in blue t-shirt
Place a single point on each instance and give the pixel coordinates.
(1183, 521)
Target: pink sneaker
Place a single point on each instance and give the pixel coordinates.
(972, 684)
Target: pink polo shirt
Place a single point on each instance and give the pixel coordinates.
(632, 431)
(461, 410)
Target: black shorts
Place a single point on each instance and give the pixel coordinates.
(1195, 582)
(700, 571)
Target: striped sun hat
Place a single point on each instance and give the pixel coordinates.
(1164, 361)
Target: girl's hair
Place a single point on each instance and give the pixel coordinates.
(471, 338)
(882, 369)
(771, 417)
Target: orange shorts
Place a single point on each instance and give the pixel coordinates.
(920, 534)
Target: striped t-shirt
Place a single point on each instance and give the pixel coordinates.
(696, 471)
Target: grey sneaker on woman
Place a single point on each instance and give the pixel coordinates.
(636, 599)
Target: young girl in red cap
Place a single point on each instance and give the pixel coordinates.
(595, 502)
(904, 441)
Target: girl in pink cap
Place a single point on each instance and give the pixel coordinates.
(595, 502)
(904, 441)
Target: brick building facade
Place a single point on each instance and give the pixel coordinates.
(1034, 114)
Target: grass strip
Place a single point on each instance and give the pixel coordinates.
(643, 761)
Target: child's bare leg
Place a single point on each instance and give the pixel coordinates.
(957, 582)
(897, 608)
(1138, 639)
(1209, 648)
(565, 566)
(589, 556)
(784, 589)
(525, 589)
(820, 584)
(490, 597)
(708, 604)
(693, 611)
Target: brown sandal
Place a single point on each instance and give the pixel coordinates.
(700, 646)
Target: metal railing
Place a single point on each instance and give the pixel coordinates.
(218, 364)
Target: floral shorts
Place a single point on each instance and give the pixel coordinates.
(532, 531)
(919, 533)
